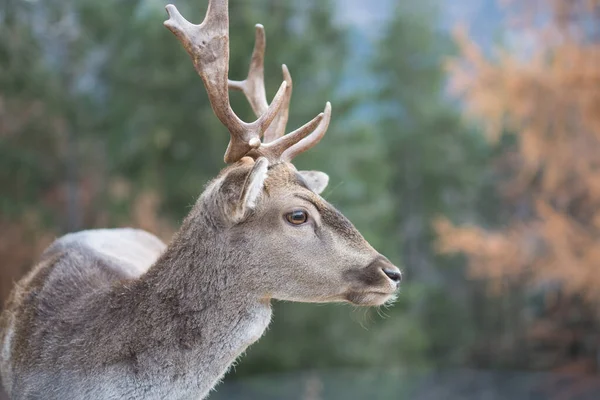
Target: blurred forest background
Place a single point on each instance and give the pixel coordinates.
(469, 154)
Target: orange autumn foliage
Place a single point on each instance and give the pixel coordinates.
(19, 242)
(23, 240)
(545, 89)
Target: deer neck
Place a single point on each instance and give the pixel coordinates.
(197, 297)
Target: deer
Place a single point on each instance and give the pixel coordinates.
(117, 314)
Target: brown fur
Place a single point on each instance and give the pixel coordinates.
(178, 327)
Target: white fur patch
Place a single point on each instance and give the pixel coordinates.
(5, 362)
(256, 182)
(8, 339)
(133, 250)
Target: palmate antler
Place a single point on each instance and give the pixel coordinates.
(208, 45)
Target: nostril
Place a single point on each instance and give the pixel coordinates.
(393, 273)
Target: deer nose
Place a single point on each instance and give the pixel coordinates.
(393, 273)
(390, 270)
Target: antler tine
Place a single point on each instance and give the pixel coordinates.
(311, 140)
(277, 129)
(208, 45)
(289, 146)
(253, 88)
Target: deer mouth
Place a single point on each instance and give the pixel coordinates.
(370, 298)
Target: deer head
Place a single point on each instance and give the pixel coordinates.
(299, 246)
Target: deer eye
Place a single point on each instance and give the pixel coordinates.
(297, 217)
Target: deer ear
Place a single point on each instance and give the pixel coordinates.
(316, 180)
(253, 186)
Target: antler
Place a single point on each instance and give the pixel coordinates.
(208, 45)
(276, 145)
